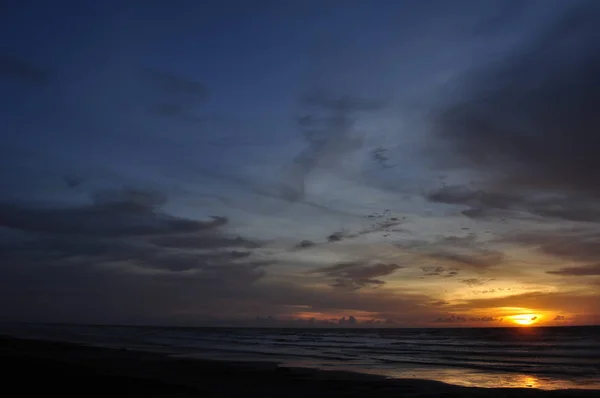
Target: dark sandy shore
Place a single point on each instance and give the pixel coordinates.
(38, 368)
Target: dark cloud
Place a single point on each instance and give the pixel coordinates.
(344, 321)
(578, 245)
(559, 318)
(460, 195)
(335, 237)
(71, 290)
(477, 258)
(107, 252)
(439, 271)
(457, 251)
(305, 244)
(571, 301)
(486, 318)
(439, 303)
(481, 203)
(202, 241)
(451, 319)
(115, 265)
(351, 321)
(458, 241)
(73, 181)
(77, 291)
(21, 70)
(311, 322)
(527, 125)
(383, 223)
(357, 275)
(585, 270)
(472, 282)
(111, 213)
(575, 245)
(460, 319)
(380, 157)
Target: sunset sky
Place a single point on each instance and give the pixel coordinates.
(300, 163)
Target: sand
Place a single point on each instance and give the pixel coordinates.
(39, 368)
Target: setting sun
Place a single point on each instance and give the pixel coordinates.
(525, 319)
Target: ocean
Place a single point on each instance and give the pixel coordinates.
(531, 357)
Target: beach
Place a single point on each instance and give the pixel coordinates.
(34, 367)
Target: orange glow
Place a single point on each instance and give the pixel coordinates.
(525, 319)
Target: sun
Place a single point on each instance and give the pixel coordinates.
(525, 319)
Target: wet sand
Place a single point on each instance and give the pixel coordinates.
(68, 370)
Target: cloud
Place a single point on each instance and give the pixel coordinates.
(578, 245)
(351, 321)
(451, 319)
(472, 282)
(327, 130)
(119, 212)
(439, 303)
(479, 202)
(559, 318)
(458, 241)
(568, 301)
(73, 181)
(383, 223)
(379, 156)
(526, 126)
(586, 270)
(21, 70)
(455, 251)
(311, 322)
(486, 318)
(493, 204)
(93, 291)
(122, 258)
(203, 241)
(460, 195)
(479, 258)
(127, 230)
(305, 244)
(439, 271)
(357, 275)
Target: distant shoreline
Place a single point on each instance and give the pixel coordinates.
(36, 366)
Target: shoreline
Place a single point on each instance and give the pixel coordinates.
(75, 370)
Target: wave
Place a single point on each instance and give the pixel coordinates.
(556, 351)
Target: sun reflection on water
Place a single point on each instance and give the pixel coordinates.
(470, 378)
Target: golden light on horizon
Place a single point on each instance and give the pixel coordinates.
(525, 319)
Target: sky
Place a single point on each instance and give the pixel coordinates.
(316, 163)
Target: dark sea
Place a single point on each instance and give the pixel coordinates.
(533, 357)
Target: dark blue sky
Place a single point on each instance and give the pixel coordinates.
(411, 155)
